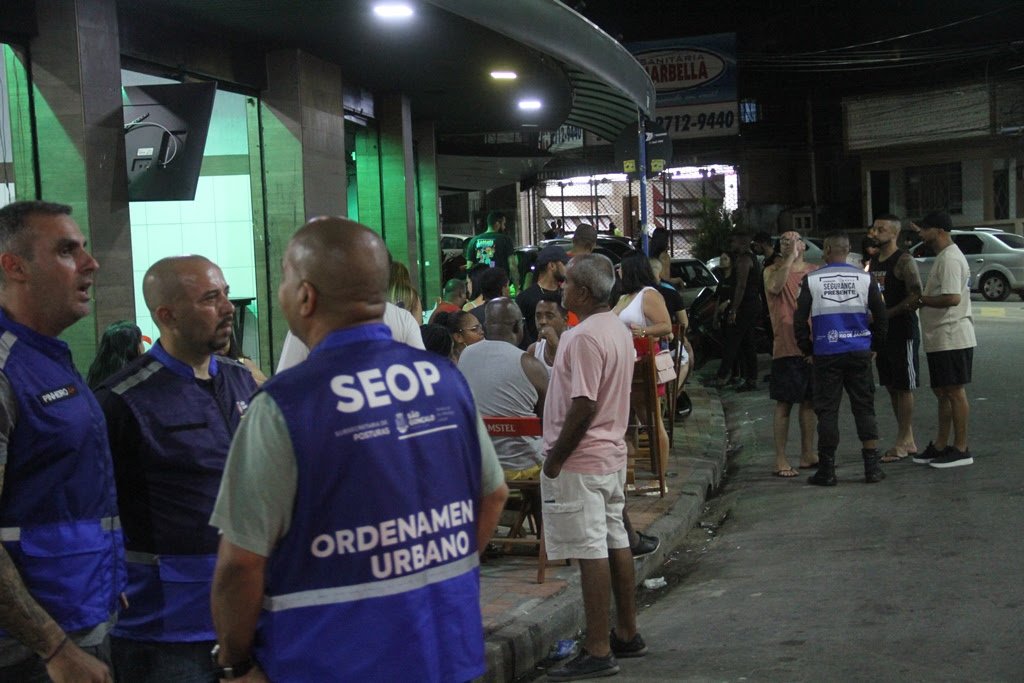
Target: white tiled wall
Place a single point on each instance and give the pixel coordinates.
(217, 224)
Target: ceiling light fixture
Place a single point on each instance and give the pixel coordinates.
(504, 75)
(529, 105)
(393, 10)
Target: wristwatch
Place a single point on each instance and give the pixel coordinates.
(231, 672)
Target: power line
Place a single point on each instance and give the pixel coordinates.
(912, 34)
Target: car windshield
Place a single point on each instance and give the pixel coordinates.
(1010, 240)
(694, 274)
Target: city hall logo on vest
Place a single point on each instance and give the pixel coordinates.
(839, 288)
(56, 395)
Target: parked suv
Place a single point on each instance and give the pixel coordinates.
(996, 260)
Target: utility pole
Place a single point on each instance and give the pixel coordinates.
(811, 165)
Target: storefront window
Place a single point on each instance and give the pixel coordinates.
(217, 224)
(6, 144)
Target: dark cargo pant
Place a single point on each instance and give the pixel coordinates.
(832, 374)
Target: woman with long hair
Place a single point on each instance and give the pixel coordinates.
(401, 292)
(464, 328)
(436, 338)
(642, 309)
(726, 286)
(723, 295)
(120, 344)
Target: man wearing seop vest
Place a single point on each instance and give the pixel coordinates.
(357, 492)
(61, 563)
(847, 322)
(170, 415)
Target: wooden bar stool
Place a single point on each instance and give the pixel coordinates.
(527, 527)
(644, 404)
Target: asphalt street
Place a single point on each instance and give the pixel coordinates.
(917, 578)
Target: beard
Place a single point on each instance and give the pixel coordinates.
(221, 336)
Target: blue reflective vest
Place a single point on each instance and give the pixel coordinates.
(377, 578)
(839, 309)
(58, 509)
(170, 437)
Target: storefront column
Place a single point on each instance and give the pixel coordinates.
(397, 180)
(429, 219)
(74, 84)
(303, 169)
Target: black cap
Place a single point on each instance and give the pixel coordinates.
(585, 232)
(550, 254)
(936, 219)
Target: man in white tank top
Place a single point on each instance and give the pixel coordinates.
(551, 320)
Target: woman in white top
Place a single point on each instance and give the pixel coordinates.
(642, 309)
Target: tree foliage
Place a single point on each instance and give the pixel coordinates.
(714, 226)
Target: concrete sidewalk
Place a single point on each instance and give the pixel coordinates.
(522, 619)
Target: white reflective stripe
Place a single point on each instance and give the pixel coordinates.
(373, 589)
(137, 378)
(911, 374)
(13, 533)
(136, 557)
(427, 431)
(7, 340)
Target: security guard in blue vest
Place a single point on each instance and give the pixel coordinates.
(61, 562)
(171, 414)
(840, 319)
(357, 493)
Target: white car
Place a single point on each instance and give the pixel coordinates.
(996, 260)
(452, 244)
(813, 254)
(695, 276)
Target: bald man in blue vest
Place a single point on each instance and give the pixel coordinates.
(358, 491)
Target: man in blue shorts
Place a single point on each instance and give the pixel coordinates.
(947, 328)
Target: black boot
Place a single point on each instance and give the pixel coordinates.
(872, 470)
(826, 474)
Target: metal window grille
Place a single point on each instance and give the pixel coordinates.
(937, 187)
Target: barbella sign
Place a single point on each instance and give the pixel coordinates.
(695, 79)
(673, 70)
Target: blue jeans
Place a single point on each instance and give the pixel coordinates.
(136, 661)
(32, 670)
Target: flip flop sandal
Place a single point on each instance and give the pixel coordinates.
(895, 455)
(786, 474)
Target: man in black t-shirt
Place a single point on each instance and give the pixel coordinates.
(550, 270)
(493, 247)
